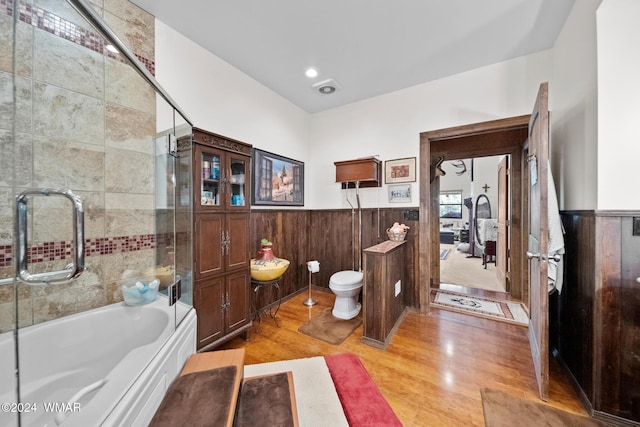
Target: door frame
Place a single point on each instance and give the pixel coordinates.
(491, 138)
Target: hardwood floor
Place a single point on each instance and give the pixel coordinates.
(434, 367)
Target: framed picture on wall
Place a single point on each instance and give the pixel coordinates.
(276, 180)
(400, 170)
(400, 193)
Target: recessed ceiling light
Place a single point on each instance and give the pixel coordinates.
(311, 73)
(111, 48)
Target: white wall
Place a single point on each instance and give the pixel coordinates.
(222, 99)
(219, 98)
(390, 125)
(574, 110)
(618, 104)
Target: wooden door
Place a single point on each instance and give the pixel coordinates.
(538, 240)
(209, 301)
(237, 235)
(208, 244)
(502, 241)
(208, 183)
(238, 303)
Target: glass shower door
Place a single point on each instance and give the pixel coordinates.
(79, 123)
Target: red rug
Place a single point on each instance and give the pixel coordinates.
(362, 402)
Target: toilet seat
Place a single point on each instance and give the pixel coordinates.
(346, 278)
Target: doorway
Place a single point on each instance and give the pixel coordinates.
(473, 217)
(504, 137)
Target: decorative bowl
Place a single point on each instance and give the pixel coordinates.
(263, 271)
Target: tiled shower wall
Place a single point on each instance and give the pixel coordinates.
(84, 120)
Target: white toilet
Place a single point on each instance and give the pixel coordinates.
(346, 285)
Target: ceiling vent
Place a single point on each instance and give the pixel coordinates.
(326, 87)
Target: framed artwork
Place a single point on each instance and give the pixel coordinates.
(400, 193)
(400, 170)
(276, 180)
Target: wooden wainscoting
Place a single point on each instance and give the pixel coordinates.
(289, 232)
(326, 235)
(598, 322)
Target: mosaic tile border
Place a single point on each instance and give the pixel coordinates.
(67, 30)
(53, 251)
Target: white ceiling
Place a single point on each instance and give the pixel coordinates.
(370, 47)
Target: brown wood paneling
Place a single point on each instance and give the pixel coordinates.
(374, 230)
(618, 363)
(607, 310)
(576, 302)
(629, 341)
(326, 236)
(382, 308)
(332, 243)
(289, 232)
(599, 325)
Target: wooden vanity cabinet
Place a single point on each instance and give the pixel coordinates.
(221, 260)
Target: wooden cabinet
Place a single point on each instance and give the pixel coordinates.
(222, 304)
(221, 262)
(383, 285)
(221, 178)
(367, 171)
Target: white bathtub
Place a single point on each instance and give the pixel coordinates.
(129, 354)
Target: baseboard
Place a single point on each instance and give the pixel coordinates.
(614, 420)
(586, 403)
(582, 396)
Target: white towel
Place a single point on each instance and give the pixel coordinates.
(556, 238)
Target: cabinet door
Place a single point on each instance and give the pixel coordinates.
(238, 178)
(208, 166)
(238, 287)
(238, 255)
(209, 245)
(208, 300)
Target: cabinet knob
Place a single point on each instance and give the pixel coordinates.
(638, 279)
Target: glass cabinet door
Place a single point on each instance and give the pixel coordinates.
(210, 179)
(238, 182)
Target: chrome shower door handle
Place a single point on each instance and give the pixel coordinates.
(62, 276)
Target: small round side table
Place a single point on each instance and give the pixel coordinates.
(256, 285)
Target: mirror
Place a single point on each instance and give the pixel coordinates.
(482, 211)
